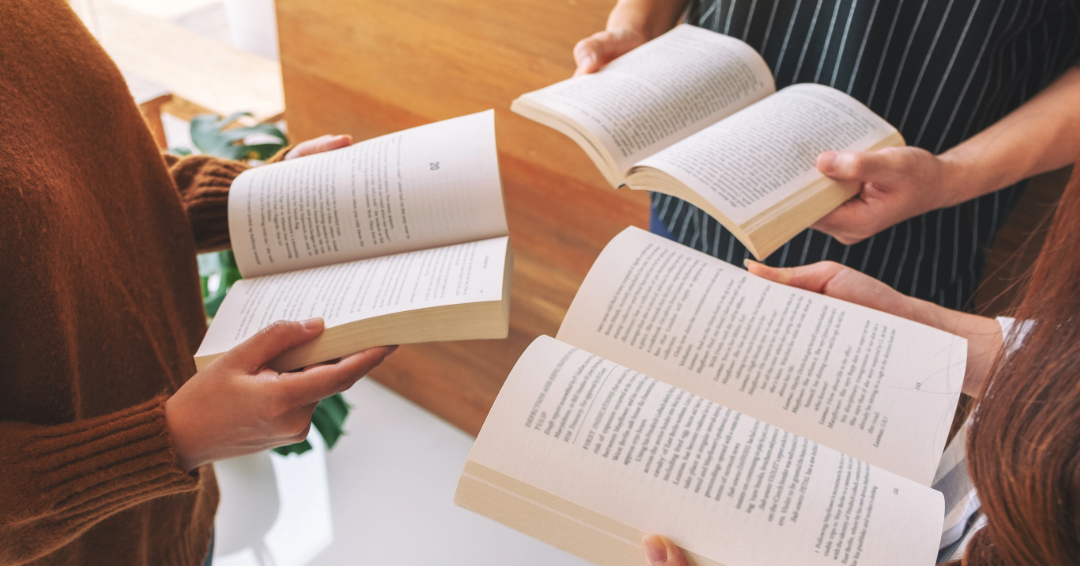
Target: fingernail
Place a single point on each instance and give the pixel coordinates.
(655, 549)
(844, 164)
(748, 262)
(827, 163)
(312, 323)
(587, 63)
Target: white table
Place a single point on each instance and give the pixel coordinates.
(384, 495)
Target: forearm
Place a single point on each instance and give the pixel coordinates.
(1042, 135)
(651, 17)
(983, 334)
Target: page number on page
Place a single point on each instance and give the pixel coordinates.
(435, 166)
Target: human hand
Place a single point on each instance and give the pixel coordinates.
(237, 406)
(661, 551)
(630, 24)
(319, 145)
(596, 51)
(897, 183)
(841, 282)
(983, 334)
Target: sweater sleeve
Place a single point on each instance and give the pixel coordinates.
(203, 182)
(58, 481)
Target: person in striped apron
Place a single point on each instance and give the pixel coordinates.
(941, 72)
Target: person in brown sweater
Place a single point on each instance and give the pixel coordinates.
(105, 427)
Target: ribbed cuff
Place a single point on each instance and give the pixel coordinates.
(204, 182)
(90, 469)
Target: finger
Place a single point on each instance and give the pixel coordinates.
(599, 49)
(319, 145)
(586, 54)
(336, 142)
(865, 166)
(302, 148)
(814, 277)
(661, 551)
(256, 352)
(851, 222)
(314, 384)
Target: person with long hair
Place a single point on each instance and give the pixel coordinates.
(1023, 446)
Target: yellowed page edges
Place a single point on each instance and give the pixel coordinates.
(773, 228)
(554, 520)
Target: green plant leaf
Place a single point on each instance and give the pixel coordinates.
(262, 151)
(298, 448)
(208, 133)
(328, 419)
(217, 274)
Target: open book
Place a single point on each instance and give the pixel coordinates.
(396, 240)
(695, 114)
(753, 423)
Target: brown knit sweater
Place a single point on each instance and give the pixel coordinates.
(99, 304)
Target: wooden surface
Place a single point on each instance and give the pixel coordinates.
(204, 72)
(370, 67)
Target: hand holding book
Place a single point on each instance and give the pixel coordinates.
(395, 240)
(726, 411)
(696, 115)
(983, 335)
(237, 405)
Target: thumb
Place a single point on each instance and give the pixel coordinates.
(270, 342)
(864, 166)
(814, 277)
(660, 551)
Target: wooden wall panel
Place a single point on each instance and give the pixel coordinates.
(368, 68)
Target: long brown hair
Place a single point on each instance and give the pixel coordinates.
(1024, 446)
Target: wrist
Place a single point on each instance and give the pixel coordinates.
(177, 434)
(962, 177)
(650, 18)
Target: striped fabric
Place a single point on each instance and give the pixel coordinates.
(940, 71)
(963, 516)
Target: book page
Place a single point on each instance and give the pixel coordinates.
(721, 484)
(429, 186)
(361, 289)
(878, 387)
(661, 92)
(754, 159)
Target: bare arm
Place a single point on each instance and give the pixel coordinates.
(1042, 135)
(900, 183)
(630, 24)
